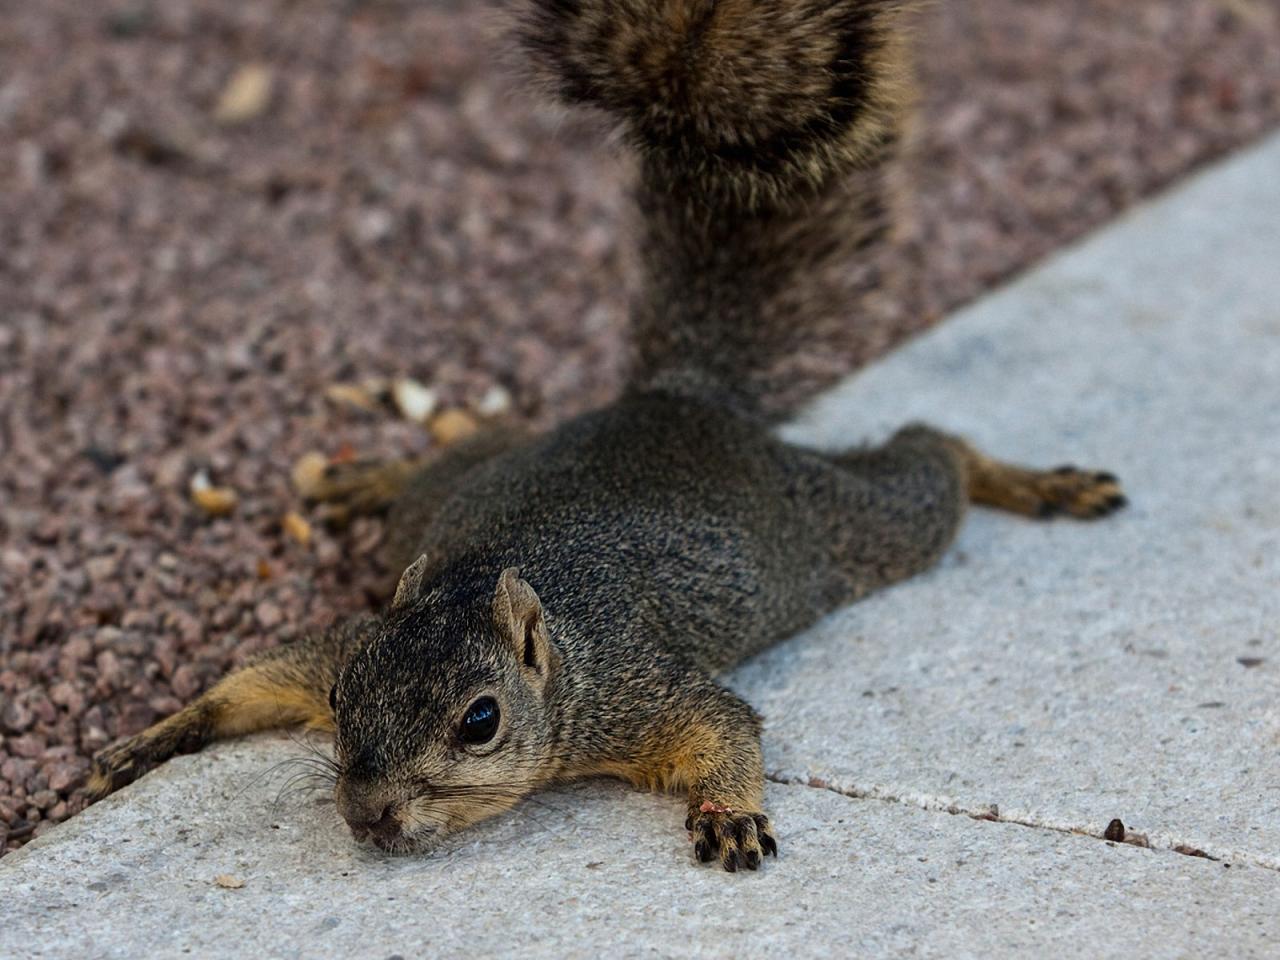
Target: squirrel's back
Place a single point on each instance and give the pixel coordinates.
(764, 131)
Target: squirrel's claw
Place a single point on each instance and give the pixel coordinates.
(738, 839)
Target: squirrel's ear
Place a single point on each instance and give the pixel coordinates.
(517, 613)
(410, 582)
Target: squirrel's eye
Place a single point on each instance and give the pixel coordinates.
(481, 721)
(333, 697)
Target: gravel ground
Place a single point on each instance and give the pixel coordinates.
(211, 212)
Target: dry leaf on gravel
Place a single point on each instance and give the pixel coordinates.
(245, 96)
(350, 395)
(214, 501)
(308, 473)
(452, 426)
(227, 882)
(296, 526)
(495, 403)
(414, 401)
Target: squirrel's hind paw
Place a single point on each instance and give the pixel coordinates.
(352, 489)
(1066, 491)
(1084, 494)
(737, 839)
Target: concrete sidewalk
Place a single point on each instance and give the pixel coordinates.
(944, 757)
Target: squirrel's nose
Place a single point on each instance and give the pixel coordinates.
(383, 826)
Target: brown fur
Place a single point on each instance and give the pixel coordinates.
(573, 596)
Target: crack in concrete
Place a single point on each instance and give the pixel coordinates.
(991, 812)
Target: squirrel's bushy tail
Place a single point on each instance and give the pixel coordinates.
(763, 128)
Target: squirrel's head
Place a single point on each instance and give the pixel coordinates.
(444, 717)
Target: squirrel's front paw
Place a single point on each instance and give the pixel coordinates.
(120, 764)
(115, 767)
(739, 839)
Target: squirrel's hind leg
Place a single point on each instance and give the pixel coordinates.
(411, 488)
(281, 687)
(899, 505)
(889, 512)
(1084, 494)
(372, 485)
(357, 487)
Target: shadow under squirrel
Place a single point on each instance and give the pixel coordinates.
(568, 598)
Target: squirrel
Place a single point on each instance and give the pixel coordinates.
(567, 600)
